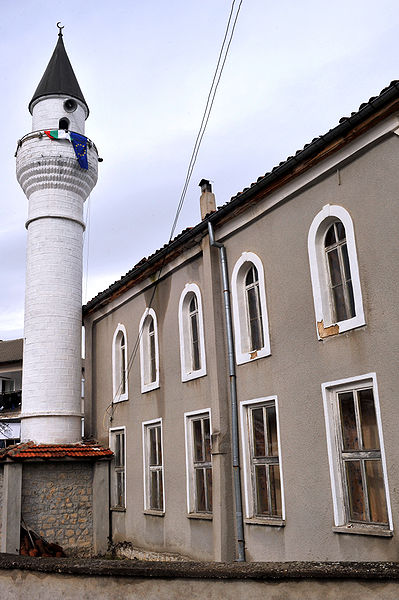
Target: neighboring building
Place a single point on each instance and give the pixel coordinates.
(10, 391)
(313, 266)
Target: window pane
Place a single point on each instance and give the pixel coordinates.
(121, 455)
(335, 270)
(207, 440)
(123, 366)
(345, 258)
(120, 488)
(200, 490)
(197, 433)
(117, 450)
(252, 276)
(351, 308)
(193, 304)
(152, 355)
(357, 506)
(254, 318)
(275, 489)
(160, 491)
(154, 495)
(330, 237)
(195, 342)
(258, 432)
(340, 229)
(348, 421)
(376, 491)
(272, 431)
(209, 488)
(368, 420)
(262, 502)
(153, 446)
(151, 325)
(159, 446)
(339, 303)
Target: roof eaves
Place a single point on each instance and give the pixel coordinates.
(310, 150)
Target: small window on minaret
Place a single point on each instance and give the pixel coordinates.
(63, 124)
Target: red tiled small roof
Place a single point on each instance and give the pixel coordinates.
(30, 450)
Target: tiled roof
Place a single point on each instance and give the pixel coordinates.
(289, 166)
(30, 450)
(11, 350)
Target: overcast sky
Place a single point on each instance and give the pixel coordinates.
(145, 69)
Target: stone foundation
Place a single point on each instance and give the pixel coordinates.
(66, 502)
(57, 503)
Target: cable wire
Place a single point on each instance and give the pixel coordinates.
(224, 50)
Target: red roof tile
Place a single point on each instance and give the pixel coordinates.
(30, 450)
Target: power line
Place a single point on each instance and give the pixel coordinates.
(224, 50)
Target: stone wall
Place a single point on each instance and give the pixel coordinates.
(1, 498)
(57, 503)
(46, 578)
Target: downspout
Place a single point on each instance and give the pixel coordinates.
(233, 395)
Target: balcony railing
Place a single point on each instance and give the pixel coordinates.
(10, 401)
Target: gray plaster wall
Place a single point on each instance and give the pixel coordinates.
(174, 532)
(368, 188)
(57, 503)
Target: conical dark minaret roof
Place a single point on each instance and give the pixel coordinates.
(59, 77)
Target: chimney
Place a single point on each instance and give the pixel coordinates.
(207, 199)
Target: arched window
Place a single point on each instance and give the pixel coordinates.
(340, 281)
(191, 329)
(149, 352)
(253, 308)
(63, 123)
(119, 364)
(335, 273)
(249, 309)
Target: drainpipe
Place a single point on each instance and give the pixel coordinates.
(233, 394)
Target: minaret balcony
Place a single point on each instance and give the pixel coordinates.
(44, 163)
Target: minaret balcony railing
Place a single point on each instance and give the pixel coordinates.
(40, 134)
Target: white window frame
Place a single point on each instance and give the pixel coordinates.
(186, 360)
(145, 357)
(332, 423)
(248, 483)
(189, 443)
(116, 367)
(319, 272)
(238, 288)
(146, 425)
(112, 432)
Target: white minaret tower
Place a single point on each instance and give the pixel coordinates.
(56, 187)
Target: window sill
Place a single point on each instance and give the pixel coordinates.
(121, 399)
(154, 513)
(363, 530)
(266, 521)
(248, 357)
(193, 375)
(118, 508)
(200, 516)
(150, 387)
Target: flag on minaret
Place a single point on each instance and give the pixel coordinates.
(57, 134)
(79, 143)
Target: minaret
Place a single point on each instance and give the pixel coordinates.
(56, 187)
